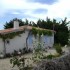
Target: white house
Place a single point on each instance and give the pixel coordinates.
(22, 40)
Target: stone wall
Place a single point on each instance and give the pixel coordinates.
(61, 63)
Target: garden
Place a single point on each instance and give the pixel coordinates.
(38, 54)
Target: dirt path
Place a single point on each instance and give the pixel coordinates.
(5, 63)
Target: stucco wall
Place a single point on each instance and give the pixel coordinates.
(47, 40)
(1, 46)
(17, 43)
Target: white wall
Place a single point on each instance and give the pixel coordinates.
(47, 40)
(1, 46)
(20, 42)
(17, 43)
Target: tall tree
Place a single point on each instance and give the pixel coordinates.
(61, 29)
(61, 35)
(10, 23)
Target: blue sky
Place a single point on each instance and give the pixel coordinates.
(33, 10)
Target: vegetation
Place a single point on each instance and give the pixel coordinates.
(50, 56)
(36, 57)
(38, 51)
(11, 35)
(69, 42)
(10, 23)
(20, 63)
(62, 63)
(41, 31)
(61, 35)
(69, 39)
(58, 48)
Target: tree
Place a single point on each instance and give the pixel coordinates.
(69, 38)
(62, 33)
(26, 22)
(10, 23)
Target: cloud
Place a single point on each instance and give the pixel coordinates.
(49, 2)
(38, 11)
(35, 10)
(59, 9)
(21, 4)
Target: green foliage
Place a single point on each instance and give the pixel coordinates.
(11, 35)
(15, 53)
(20, 63)
(38, 51)
(34, 31)
(38, 48)
(41, 31)
(58, 48)
(69, 42)
(69, 39)
(62, 34)
(50, 56)
(10, 23)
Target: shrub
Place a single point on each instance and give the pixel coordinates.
(58, 48)
(61, 63)
(15, 53)
(50, 56)
(25, 50)
(8, 55)
(37, 51)
(69, 42)
(20, 63)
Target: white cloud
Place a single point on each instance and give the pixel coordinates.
(59, 9)
(21, 4)
(17, 13)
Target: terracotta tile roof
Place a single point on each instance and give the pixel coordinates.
(5, 31)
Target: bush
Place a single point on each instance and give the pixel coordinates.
(8, 55)
(58, 48)
(50, 56)
(15, 53)
(69, 42)
(25, 50)
(61, 63)
(20, 63)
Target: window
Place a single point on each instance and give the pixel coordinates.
(7, 41)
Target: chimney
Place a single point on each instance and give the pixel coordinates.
(16, 24)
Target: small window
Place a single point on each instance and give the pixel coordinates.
(7, 41)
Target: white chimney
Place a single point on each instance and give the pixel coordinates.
(16, 24)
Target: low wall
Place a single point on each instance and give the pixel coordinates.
(61, 63)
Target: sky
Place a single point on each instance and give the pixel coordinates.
(33, 10)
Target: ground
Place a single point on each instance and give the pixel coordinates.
(5, 63)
